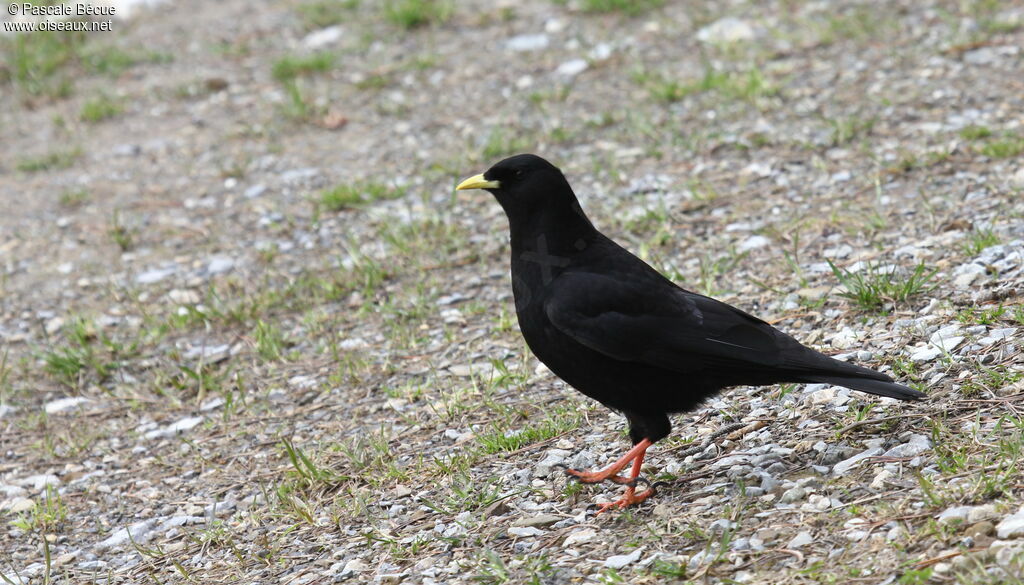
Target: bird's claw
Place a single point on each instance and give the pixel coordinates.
(591, 477)
(628, 499)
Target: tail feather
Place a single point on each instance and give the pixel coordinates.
(872, 386)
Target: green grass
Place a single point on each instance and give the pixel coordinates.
(747, 85)
(1006, 147)
(355, 195)
(628, 7)
(500, 439)
(296, 106)
(121, 234)
(984, 315)
(409, 14)
(872, 288)
(270, 341)
(101, 107)
(38, 60)
(325, 13)
(846, 130)
(57, 159)
(980, 238)
(45, 63)
(975, 132)
(289, 67)
(73, 198)
(87, 351)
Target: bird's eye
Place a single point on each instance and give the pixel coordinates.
(519, 172)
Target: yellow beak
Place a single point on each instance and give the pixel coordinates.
(477, 182)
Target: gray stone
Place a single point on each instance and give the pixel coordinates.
(525, 531)
(953, 514)
(155, 275)
(1011, 526)
(620, 561)
(925, 354)
(800, 540)
(63, 405)
(323, 37)
(529, 42)
(572, 67)
(537, 521)
(844, 466)
(255, 191)
(220, 264)
(915, 446)
(726, 30)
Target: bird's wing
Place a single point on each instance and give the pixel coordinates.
(657, 323)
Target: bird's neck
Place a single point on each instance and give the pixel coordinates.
(564, 231)
(544, 244)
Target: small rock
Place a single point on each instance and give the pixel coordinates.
(541, 521)
(220, 264)
(916, 445)
(800, 540)
(620, 561)
(753, 242)
(525, 531)
(572, 67)
(979, 513)
(981, 56)
(355, 566)
(66, 405)
(294, 176)
(139, 532)
(984, 528)
(579, 537)
(323, 37)
(529, 42)
(953, 514)
(792, 495)
(255, 191)
(183, 296)
(155, 275)
(1011, 526)
(38, 482)
(925, 354)
(185, 424)
(725, 31)
(481, 369)
(817, 502)
(843, 466)
(18, 505)
(878, 483)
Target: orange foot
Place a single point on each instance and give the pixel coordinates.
(596, 476)
(628, 499)
(634, 455)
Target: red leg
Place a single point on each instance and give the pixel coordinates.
(636, 455)
(630, 497)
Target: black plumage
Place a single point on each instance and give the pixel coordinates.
(618, 331)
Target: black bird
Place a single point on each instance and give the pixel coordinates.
(618, 331)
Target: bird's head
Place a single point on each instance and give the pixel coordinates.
(524, 184)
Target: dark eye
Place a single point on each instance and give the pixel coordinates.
(519, 172)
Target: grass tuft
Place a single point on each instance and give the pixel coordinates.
(355, 195)
(872, 288)
(57, 159)
(289, 67)
(101, 107)
(409, 14)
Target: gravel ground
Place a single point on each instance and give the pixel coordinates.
(251, 334)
